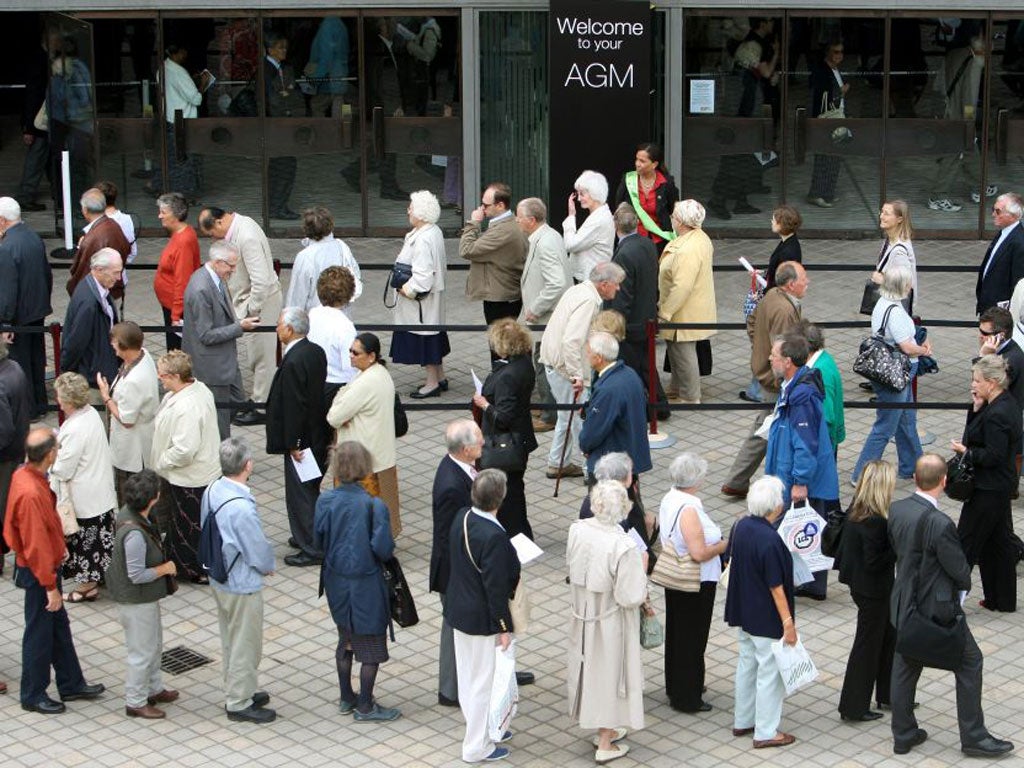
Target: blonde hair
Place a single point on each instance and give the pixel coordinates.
(904, 230)
(611, 322)
(874, 491)
(73, 389)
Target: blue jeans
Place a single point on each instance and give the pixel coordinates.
(888, 422)
(754, 390)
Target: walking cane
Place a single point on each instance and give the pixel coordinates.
(565, 443)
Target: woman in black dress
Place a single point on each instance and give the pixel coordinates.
(505, 405)
(786, 220)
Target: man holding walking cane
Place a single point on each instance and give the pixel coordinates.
(562, 351)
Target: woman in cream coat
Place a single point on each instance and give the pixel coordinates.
(686, 294)
(608, 582)
(186, 455)
(364, 411)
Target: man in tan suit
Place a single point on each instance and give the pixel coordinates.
(255, 292)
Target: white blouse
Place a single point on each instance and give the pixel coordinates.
(332, 331)
(671, 509)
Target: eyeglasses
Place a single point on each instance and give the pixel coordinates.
(355, 352)
(998, 211)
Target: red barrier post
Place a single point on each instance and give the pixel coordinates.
(277, 271)
(650, 329)
(55, 331)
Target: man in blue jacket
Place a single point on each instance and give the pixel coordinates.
(616, 414)
(799, 448)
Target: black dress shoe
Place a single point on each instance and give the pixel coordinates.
(988, 747)
(417, 395)
(443, 384)
(704, 707)
(260, 699)
(745, 207)
(45, 706)
(865, 718)
(444, 701)
(919, 738)
(292, 542)
(253, 714)
(302, 560)
(748, 398)
(867, 386)
(85, 692)
(524, 678)
(394, 194)
(250, 418)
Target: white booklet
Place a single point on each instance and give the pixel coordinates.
(526, 550)
(307, 468)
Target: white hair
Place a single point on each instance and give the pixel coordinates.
(607, 271)
(9, 209)
(221, 250)
(896, 283)
(613, 466)
(594, 184)
(604, 344)
(103, 258)
(687, 469)
(689, 213)
(609, 502)
(764, 496)
(425, 206)
(297, 319)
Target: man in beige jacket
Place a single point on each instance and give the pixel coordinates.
(565, 364)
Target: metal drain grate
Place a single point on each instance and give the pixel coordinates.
(181, 659)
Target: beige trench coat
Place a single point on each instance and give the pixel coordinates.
(605, 676)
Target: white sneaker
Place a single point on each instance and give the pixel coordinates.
(945, 205)
(990, 191)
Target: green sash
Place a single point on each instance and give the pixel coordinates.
(645, 219)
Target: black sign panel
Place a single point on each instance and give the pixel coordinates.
(599, 85)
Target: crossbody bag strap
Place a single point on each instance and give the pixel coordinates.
(885, 320)
(919, 548)
(959, 74)
(632, 187)
(465, 539)
(213, 514)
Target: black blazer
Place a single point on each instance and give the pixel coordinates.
(866, 559)
(1004, 273)
(637, 297)
(665, 198)
(85, 345)
(451, 494)
(993, 436)
(786, 250)
(1014, 357)
(944, 569)
(824, 87)
(508, 391)
(477, 601)
(16, 408)
(26, 280)
(296, 419)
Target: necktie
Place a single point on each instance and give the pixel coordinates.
(990, 256)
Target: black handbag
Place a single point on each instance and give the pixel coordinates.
(401, 420)
(883, 363)
(870, 297)
(960, 476)
(504, 451)
(401, 273)
(832, 533)
(403, 607)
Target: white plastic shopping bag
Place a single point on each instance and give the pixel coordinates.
(801, 529)
(504, 692)
(794, 665)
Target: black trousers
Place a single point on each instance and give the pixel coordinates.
(984, 528)
(280, 181)
(300, 501)
(173, 340)
(870, 664)
(29, 351)
(512, 512)
(687, 625)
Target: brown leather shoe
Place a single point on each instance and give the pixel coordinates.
(742, 731)
(148, 712)
(569, 470)
(781, 740)
(734, 492)
(542, 426)
(165, 696)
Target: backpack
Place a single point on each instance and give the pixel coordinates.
(211, 546)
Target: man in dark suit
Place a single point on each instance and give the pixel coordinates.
(210, 330)
(101, 231)
(283, 99)
(1003, 265)
(85, 346)
(26, 283)
(297, 424)
(453, 483)
(931, 576)
(637, 299)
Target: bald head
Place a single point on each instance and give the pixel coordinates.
(40, 447)
(464, 440)
(930, 473)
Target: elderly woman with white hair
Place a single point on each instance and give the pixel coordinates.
(420, 300)
(760, 605)
(687, 530)
(891, 319)
(686, 294)
(594, 241)
(608, 584)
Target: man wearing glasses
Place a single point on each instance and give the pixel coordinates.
(1003, 265)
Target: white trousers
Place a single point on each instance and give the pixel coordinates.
(474, 664)
(759, 688)
(561, 391)
(143, 640)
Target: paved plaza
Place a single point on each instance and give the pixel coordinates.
(298, 665)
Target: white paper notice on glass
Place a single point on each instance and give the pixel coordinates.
(306, 468)
(702, 97)
(477, 384)
(526, 550)
(638, 540)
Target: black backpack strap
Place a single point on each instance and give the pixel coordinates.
(213, 516)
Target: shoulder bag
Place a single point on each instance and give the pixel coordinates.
(401, 419)
(872, 290)
(882, 363)
(403, 607)
(519, 603)
(504, 451)
(921, 638)
(960, 476)
(401, 273)
(66, 510)
(675, 571)
(652, 634)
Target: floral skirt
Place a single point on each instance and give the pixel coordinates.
(90, 550)
(179, 520)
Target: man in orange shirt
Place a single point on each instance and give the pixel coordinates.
(33, 530)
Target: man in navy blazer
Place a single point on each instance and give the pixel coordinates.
(930, 580)
(297, 423)
(85, 347)
(616, 414)
(26, 283)
(1003, 265)
(453, 483)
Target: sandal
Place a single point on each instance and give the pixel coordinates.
(77, 596)
(780, 740)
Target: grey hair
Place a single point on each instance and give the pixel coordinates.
(607, 271)
(594, 184)
(687, 469)
(174, 202)
(609, 502)
(9, 209)
(786, 273)
(534, 208)
(992, 368)
(896, 283)
(222, 250)
(1011, 200)
(234, 453)
(104, 258)
(489, 490)
(93, 201)
(613, 466)
(459, 434)
(297, 319)
(604, 344)
(764, 496)
(425, 206)
(625, 219)
(689, 213)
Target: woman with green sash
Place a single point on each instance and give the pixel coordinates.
(652, 193)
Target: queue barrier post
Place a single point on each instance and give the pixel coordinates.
(55, 330)
(277, 271)
(650, 331)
